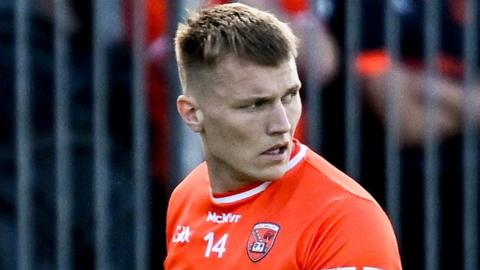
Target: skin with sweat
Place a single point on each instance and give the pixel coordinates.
(246, 115)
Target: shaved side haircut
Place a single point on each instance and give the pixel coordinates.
(247, 33)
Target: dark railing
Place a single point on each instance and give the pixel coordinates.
(104, 177)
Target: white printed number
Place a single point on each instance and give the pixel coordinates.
(216, 247)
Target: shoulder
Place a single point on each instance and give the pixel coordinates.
(347, 204)
(195, 183)
(347, 226)
(322, 175)
(354, 232)
(316, 186)
(189, 197)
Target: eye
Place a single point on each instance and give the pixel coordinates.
(257, 104)
(289, 97)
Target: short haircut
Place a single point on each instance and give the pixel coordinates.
(236, 30)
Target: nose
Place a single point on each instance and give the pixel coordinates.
(279, 122)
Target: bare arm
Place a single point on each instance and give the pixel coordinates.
(411, 97)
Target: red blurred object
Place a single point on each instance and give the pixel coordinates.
(156, 22)
(217, 2)
(372, 63)
(294, 6)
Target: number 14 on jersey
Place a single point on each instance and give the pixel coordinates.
(215, 247)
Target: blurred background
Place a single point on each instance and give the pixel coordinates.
(91, 145)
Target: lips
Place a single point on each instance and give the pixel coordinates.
(277, 149)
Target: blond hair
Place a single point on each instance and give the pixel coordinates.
(234, 29)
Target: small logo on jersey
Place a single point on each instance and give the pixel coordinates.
(222, 218)
(261, 240)
(182, 234)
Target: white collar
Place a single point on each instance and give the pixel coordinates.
(254, 191)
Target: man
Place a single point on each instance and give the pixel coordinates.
(261, 200)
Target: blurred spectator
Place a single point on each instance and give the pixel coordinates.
(157, 49)
(307, 26)
(41, 52)
(374, 66)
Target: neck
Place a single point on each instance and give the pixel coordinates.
(227, 183)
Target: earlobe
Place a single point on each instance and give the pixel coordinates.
(188, 109)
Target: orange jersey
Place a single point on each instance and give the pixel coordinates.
(314, 217)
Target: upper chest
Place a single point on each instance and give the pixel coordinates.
(264, 234)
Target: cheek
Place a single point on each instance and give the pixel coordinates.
(236, 143)
(230, 143)
(222, 131)
(295, 113)
(241, 132)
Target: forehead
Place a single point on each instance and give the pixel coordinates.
(237, 78)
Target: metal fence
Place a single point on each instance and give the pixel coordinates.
(75, 143)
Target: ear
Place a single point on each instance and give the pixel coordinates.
(188, 109)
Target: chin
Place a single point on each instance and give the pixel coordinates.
(273, 174)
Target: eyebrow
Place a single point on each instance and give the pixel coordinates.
(254, 98)
(295, 87)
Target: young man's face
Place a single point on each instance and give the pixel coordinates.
(249, 115)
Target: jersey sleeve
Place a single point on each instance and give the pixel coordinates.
(354, 233)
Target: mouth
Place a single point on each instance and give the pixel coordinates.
(276, 150)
